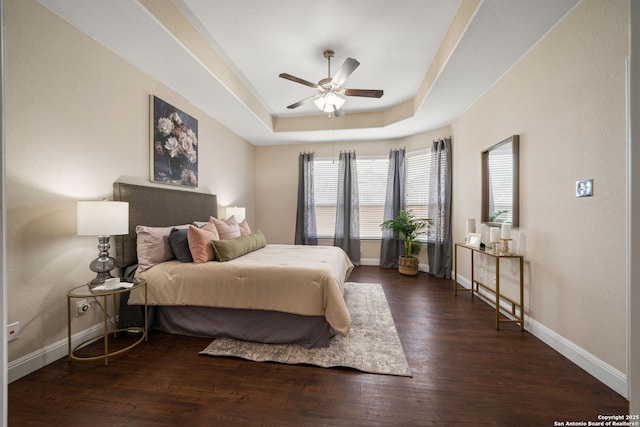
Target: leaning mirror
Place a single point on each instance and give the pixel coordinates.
(500, 183)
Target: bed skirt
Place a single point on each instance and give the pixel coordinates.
(270, 327)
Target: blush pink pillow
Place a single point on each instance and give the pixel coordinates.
(227, 229)
(199, 240)
(245, 230)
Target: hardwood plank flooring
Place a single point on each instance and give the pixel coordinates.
(465, 372)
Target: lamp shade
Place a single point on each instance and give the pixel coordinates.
(238, 213)
(102, 218)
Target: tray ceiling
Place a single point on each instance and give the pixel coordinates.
(432, 58)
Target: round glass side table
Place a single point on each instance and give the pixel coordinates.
(103, 297)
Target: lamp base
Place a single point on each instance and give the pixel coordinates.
(100, 279)
(102, 265)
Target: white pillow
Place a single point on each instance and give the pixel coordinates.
(152, 245)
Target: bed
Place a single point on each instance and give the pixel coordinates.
(274, 294)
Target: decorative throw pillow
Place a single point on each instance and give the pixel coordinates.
(180, 245)
(152, 245)
(229, 249)
(200, 242)
(245, 230)
(227, 229)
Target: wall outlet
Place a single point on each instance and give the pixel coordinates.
(481, 273)
(82, 307)
(494, 278)
(13, 331)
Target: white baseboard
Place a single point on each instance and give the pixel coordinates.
(605, 373)
(38, 359)
(376, 262)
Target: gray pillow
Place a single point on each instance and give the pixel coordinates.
(180, 245)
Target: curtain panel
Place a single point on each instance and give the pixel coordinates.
(306, 230)
(439, 237)
(391, 245)
(347, 232)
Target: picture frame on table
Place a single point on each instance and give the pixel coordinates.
(474, 240)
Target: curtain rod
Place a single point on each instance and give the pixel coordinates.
(444, 137)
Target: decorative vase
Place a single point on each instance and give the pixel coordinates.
(176, 166)
(408, 266)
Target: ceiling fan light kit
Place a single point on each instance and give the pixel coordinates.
(331, 95)
(329, 102)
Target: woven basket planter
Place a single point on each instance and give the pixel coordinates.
(408, 266)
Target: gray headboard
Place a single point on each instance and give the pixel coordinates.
(158, 207)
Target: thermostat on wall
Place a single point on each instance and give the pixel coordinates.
(584, 188)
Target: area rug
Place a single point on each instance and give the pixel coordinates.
(372, 345)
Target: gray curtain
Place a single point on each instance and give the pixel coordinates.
(347, 234)
(439, 238)
(391, 247)
(306, 232)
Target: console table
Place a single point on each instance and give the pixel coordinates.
(498, 298)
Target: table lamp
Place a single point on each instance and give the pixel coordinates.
(238, 213)
(103, 219)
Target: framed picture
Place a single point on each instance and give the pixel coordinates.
(474, 240)
(174, 145)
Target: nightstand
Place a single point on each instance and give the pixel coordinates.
(108, 301)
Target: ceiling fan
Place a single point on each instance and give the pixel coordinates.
(330, 97)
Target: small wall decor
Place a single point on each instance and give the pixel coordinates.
(174, 145)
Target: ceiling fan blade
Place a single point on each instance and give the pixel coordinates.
(368, 93)
(345, 70)
(298, 80)
(304, 101)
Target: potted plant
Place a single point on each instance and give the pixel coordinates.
(410, 228)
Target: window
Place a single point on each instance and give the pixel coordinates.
(418, 171)
(372, 185)
(372, 188)
(325, 193)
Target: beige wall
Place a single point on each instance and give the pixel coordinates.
(77, 119)
(277, 181)
(566, 100)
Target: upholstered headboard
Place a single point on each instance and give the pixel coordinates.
(158, 207)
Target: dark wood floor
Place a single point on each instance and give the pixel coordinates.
(464, 373)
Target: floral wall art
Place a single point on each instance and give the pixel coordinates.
(174, 145)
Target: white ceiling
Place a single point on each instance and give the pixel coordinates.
(225, 57)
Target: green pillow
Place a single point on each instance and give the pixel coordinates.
(229, 249)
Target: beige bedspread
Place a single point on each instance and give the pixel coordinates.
(306, 280)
